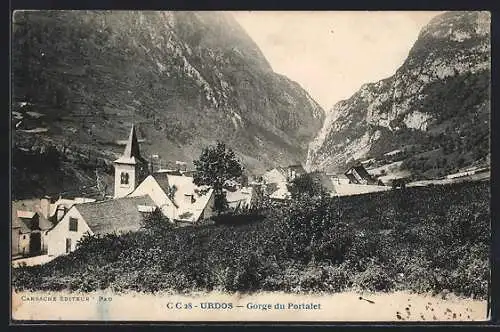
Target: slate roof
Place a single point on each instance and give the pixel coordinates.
(352, 178)
(114, 215)
(361, 171)
(162, 180)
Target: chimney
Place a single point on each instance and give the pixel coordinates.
(60, 212)
(45, 207)
(188, 198)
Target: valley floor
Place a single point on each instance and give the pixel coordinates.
(345, 306)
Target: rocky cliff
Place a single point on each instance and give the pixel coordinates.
(434, 109)
(186, 79)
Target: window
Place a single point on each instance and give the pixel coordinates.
(24, 237)
(124, 178)
(73, 225)
(68, 245)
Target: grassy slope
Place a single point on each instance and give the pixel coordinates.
(423, 239)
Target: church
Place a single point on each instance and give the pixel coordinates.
(137, 192)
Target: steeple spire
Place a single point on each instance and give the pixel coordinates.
(131, 154)
(132, 148)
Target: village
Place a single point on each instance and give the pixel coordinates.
(48, 227)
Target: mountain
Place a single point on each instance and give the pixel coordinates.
(432, 115)
(186, 79)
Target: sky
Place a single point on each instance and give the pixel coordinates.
(332, 54)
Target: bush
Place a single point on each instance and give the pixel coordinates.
(374, 278)
(156, 223)
(338, 278)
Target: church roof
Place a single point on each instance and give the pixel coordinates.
(132, 154)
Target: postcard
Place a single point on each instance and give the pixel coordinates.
(216, 166)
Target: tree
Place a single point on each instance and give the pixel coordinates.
(217, 165)
(305, 184)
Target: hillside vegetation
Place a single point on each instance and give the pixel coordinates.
(435, 108)
(186, 79)
(427, 239)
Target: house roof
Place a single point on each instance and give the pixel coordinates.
(361, 171)
(23, 214)
(28, 224)
(351, 177)
(188, 199)
(67, 203)
(162, 179)
(114, 215)
(169, 171)
(243, 195)
(189, 172)
(131, 155)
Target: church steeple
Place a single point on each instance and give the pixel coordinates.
(129, 167)
(132, 154)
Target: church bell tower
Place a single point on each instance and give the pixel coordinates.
(129, 168)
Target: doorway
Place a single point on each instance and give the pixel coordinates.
(35, 244)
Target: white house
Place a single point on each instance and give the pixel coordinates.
(158, 188)
(114, 215)
(177, 196)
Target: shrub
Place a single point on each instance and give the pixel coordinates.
(156, 223)
(363, 242)
(374, 278)
(337, 277)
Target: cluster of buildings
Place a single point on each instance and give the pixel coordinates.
(54, 227)
(355, 180)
